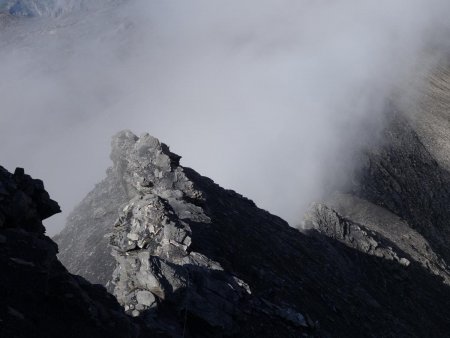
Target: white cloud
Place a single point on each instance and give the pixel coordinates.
(265, 97)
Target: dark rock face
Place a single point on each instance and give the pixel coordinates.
(38, 297)
(24, 202)
(197, 260)
(390, 276)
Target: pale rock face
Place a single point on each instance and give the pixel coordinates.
(152, 237)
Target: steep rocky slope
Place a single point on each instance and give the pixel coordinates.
(401, 190)
(83, 246)
(193, 258)
(38, 297)
(398, 207)
(401, 175)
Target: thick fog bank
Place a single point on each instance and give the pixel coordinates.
(269, 98)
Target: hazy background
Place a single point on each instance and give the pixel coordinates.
(269, 98)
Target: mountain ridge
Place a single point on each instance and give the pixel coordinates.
(298, 280)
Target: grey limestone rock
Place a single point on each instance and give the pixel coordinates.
(152, 237)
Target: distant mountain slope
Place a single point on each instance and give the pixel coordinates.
(401, 175)
(34, 7)
(406, 173)
(49, 8)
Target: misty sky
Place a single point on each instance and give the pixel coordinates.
(269, 98)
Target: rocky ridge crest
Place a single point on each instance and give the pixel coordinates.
(196, 259)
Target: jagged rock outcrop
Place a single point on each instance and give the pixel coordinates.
(376, 231)
(38, 297)
(160, 270)
(196, 259)
(152, 238)
(332, 224)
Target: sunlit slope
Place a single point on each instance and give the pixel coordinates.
(432, 114)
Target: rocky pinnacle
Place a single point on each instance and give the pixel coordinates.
(152, 237)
